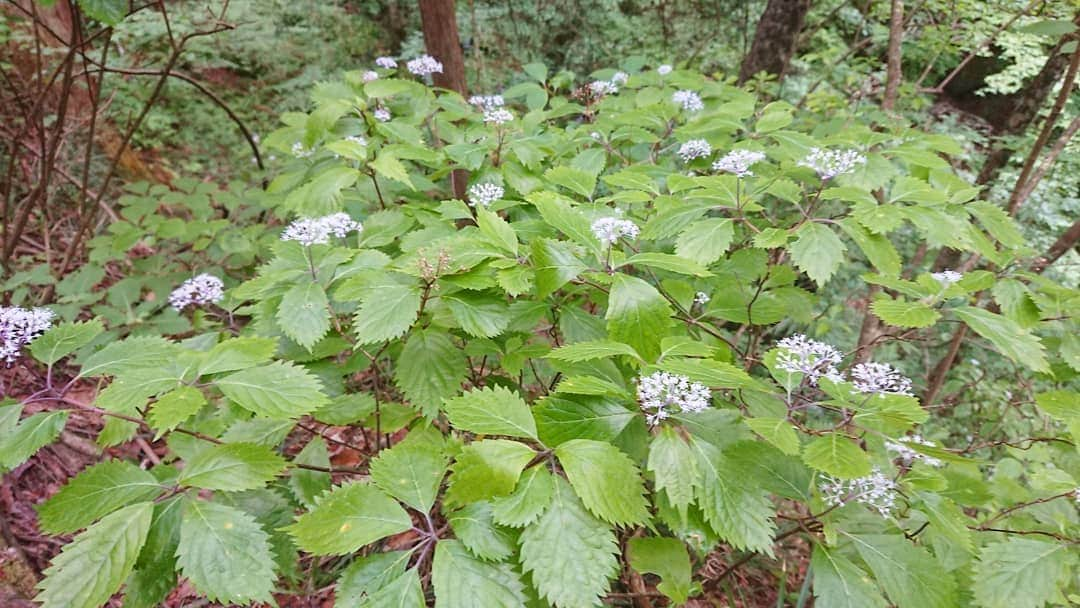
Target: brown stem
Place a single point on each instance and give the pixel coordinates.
(896, 39)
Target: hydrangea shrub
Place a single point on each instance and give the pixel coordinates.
(610, 360)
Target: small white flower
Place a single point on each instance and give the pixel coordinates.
(19, 327)
(497, 116)
(830, 163)
(382, 115)
(196, 291)
(701, 298)
(369, 75)
(689, 100)
(619, 78)
(813, 359)
(947, 277)
(386, 62)
(487, 102)
(484, 194)
(299, 151)
(738, 162)
(664, 70)
(611, 229)
(660, 391)
(424, 65)
(317, 231)
(908, 455)
(875, 491)
(695, 148)
(596, 135)
(357, 139)
(600, 88)
(879, 378)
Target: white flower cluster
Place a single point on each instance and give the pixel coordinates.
(386, 62)
(299, 151)
(19, 327)
(369, 75)
(424, 65)
(830, 163)
(485, 193)
(689, 100)
(497, 116)
(611, 229)
(908, 455)
(947, 277)
(196, 291)
(701, 298)
(695, 148)
(875, 491)
(739, 162)
(487, 102)
(664, 70)
(880, 378)
(382, 115)
(660, 391)
(600, 88)
(311, 231)
(813, 359)
(359, 140)
(619, 78)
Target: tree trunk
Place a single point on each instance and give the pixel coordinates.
(896, 39)
(775, 38)
(439, 22)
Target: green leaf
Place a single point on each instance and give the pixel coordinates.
(1021, 573)
(402, 592)
(34, 432)
(304, 315)
(776, 431)
(902, 313)
(1007, 336)
(486, 469)
(238, 353)
(838, 583)
(999, 224)
(817, 251)
(733, 506)
(838, 456)
(491, 411)
(574, 180)
(367, 574)
(592, 349)
(130, 354)
(412, 470)
(559, 212)
(109, 12)
(556, 263)
(497, 230)
(876, 247)
(431, 368)
(478, 315)
(174, 407)
(1061, 405)
(308, 485)
(473, 525)
(94, 493)
(673, 463)
(64, 339)
(637, 315)
(570, 554)
(531, 497)
(608, 482)
(387, 313)
(666, 558)
(668, 262)
(279, 390)
(911, 577)
(348, 517)
(225, 554)
(91, 568)
(232, 467)
(155, 571)
(706, 241)
(559, 419)
(388, 166)
(1048, 27)
(711, 373)
(462, 581)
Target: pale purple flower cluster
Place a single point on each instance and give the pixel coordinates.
(815, 360)
(694, 148)
(664, 70)
(830, 163)
(19, 327)
(497, 116)
(484, 194)
(738, 162)
(610, 229)
(424, 65)
(619, 78)
(875, 491)
(879, 378)
(369, 75)
(196, 291)
(386, 62)
(382, 115)
(600, 88)
(660, 392)
(487, 102)
(947, 277)
(689, 100)
(907, 455)
(317, 231)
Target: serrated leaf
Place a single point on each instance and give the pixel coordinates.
(430, 369)
(1007, 336)
(348, 517)
(404, 591)
(133, 353)
(497, 230)
(91, 568)
(531, 497)
(486, 469)
(560, 419)
(1021, 573)
(462, 581)
(386, 314)
(478, 315)
(838, 583)
(555, 263)
(902, 313)
(876, 247)
(570, 554)
(911, 577)
(64, 339)
(592, 349)
(666, 558)
(706, 241)
(367, 574)
(388, 166)
(474, 526)
(174, 407)
(776, 431)
(225, 554)
(303, 314)
(668, 262)
(94, 493)
(412, 470)
(674, 465)
(155, 571)
(1061, 405)
(637, 315)
(32, 433)
(607, 481)
(817, 251)
(574, 180)
(491, 411)
(734, 507)
(999, 224)
(109, 12)
(838, 456)
(232, 467)
(712, 373)
(238, 353)
(278, 390)
(308, 485)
